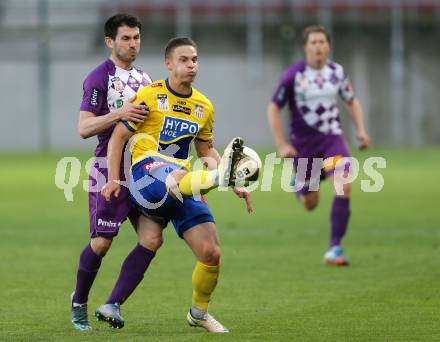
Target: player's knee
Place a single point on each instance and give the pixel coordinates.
(310, 202)
(211, 254)
(347, 190)
(100, 245)
(152, 242)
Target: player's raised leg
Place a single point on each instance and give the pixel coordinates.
(132, 271)
(200, 182)
(230, 172)
(204, 243)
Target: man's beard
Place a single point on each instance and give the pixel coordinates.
(125, 57)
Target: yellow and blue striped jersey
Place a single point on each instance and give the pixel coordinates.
(173, 123)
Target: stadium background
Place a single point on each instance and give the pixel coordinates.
(273, 286)
(390, 52)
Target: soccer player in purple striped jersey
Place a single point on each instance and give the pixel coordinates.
(310, 87)
(106, 101)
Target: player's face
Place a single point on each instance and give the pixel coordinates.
(317, 47)
(127, 43)
(183, 63)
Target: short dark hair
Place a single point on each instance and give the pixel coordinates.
(315, 29)
(176, 42)
(121, 19)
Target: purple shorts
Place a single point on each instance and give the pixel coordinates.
(314, 153)
(106, 217)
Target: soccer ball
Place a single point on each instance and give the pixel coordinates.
(248, 168)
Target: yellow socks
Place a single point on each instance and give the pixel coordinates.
(198, 182)
(204, 280)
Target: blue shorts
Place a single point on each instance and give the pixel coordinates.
(149, 193)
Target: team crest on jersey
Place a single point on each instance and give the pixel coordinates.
(117, 84)
(162, 102)
(199, 111)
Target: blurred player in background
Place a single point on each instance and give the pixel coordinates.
(161, 183)
(311, 87)
(107, 90)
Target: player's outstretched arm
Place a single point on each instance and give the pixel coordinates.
(115, 148)
(90, 124)
(274, 118)
(357, 114)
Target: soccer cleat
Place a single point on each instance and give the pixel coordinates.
(335, 257)
(110, 313)
(79, 316)
(231, 156)
(208, 322)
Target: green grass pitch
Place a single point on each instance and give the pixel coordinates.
(273, 286)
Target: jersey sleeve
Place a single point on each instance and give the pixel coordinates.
(345, 89)
(141, 98)
(206, 132)
(284, 89)
(94, 95)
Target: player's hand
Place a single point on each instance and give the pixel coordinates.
(364, 140)
(243, 193)
(136, 113)
(287, 151)
(112, 187)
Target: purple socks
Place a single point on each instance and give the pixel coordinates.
(339, 219)
(132, 272)
(89, 264)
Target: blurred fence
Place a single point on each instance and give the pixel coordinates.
(389, 49)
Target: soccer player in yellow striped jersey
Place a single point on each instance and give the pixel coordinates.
(161, 183)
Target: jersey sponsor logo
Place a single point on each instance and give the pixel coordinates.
(181, 109)
(95, 97)
(108, 223)
(117, 83)
(174, 128)
(281, 94)
(119, 103)
(162, 102)
(153, 165)
(199, 111)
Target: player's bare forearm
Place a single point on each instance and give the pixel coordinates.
(116, 144)
(357, 115)
(90, 125)
(207, 153)
(274, 118)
